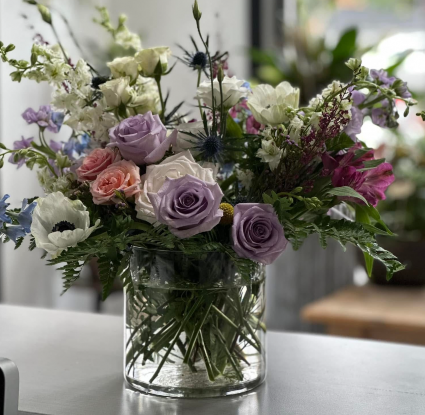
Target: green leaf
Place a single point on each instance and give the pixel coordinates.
(339, 143)
(346, 46)
(345, 191)
(363, 217)
(371, 164)
(233, 129)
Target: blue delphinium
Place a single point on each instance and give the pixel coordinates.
(3, 206)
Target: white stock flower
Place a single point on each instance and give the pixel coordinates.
(126, 66)
(173, 167)
(295, 126)
(270, 105)
(59, 223)
(232, 88)
(145, 96)
(81, 76)
(270, 153)
(128, 40)
(116, 92)
(315, 119)
(245, 177)
(149, 59)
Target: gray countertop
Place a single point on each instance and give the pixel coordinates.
(71, 364)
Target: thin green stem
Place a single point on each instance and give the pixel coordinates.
(206, 358)
(59, 42)
(199, 101)
(158, 82)
(229, 355)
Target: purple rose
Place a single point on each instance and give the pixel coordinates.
(142, 138)
(257, 233)
(44, 118)
(187, 205)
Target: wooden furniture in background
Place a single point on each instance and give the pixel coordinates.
(374, 312)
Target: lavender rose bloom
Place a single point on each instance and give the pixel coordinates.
(257, 233)
(142, 138)
(187, 205)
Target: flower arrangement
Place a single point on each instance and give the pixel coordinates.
(251, 172)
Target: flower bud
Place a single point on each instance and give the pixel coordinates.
(353, 63)
(45, 13)
(196, 12)
(220, 74)
(364, 72)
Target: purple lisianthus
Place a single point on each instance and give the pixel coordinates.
(187, 205)
(257, 233)
(142, 138)
(380, 117)
(354, 127)
(44, 118)
(382, 77)
(20, 145)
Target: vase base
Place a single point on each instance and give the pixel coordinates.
(181, 383)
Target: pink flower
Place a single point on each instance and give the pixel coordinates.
(252, 125)
(376, 183)
(122, 176)
(97, 161)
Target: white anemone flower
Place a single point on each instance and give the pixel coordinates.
(270, 105)
(59, 223)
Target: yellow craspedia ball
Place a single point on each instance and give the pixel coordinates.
(227, 218)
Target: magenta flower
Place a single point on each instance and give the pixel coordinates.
(44, 118)
(257, 233)
(20, 145)
(252, 125)
(187, 205)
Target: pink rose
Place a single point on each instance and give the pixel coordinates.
(97, 161)
(121, 176)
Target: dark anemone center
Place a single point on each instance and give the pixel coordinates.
(98, 80)
(63, 225)
(211, 146)
(199, 60)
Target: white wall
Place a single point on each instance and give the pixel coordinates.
(24, 278)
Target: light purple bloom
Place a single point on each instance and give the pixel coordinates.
(3, 207)
(25, 215)
(354, 127)
(20, 145)
(257, 233)
(403, 91)
(55, 146)
(379, 117)
(382, 77)
(142, 138)
(187, 205)
(357, 97)
(44, 118)
(14, 232)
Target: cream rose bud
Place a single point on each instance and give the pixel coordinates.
(232, 89)
(269, 105)
(150, 58)
(116, 92)
(126, 66)
(59, 223)
(172, 167)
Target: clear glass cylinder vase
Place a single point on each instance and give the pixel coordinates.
(194, 327)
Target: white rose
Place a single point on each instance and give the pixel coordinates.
(121, 67)
(116, 92)
(149, 59)
(270, 153)
(59, 223)
(173, 167)
(232, 88)
(269, 105)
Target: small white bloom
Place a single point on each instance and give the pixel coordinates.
(116, 92)
(296, 126)
(270, 105)
(245, 177)
(128, 40)
(316, 102)
(59, 223)
(270, 153)
(150, 58)
(315, 119)
(80, 76)
(145, 96)
(173, 167)
(332, 88)
(126, 66)
(232, 88)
